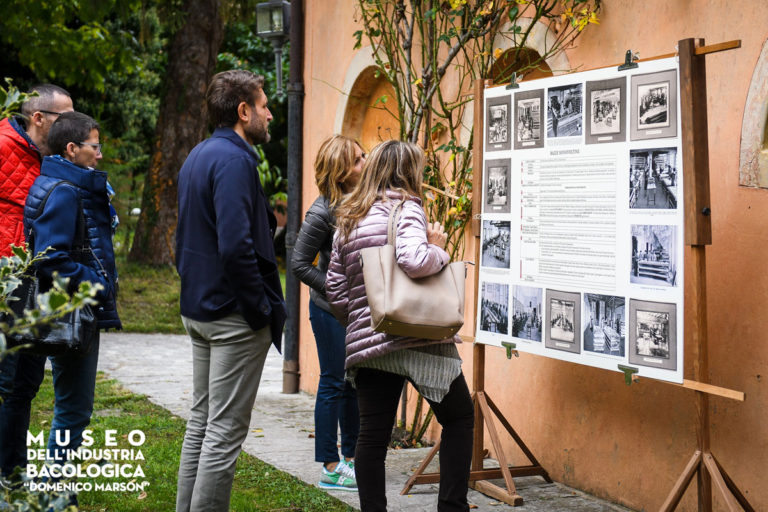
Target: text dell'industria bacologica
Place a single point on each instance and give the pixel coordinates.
(116, 466)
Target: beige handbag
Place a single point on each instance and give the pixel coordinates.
(431, 307)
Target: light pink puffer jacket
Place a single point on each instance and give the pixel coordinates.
(344, 284)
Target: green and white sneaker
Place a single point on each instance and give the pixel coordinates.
(346, 468)
(336, 480)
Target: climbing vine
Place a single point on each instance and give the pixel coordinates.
(431, 51)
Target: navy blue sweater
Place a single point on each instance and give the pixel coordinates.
(224, 250)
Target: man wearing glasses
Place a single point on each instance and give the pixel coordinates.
(23, 144)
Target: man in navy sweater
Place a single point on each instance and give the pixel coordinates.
(231, 299)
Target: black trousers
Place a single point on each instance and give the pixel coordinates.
(378, 394)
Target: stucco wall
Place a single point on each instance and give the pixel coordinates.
(589, 429)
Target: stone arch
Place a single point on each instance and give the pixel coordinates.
(753, 157)
(359, 114)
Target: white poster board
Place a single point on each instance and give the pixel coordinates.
(582, 219)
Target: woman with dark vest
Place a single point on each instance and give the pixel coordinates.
(337, 170)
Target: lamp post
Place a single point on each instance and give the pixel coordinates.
(273, 23)
(275, 20)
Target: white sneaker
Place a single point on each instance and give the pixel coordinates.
(346, 468)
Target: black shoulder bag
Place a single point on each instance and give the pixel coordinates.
(75, 332)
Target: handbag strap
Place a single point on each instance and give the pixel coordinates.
(394, 216)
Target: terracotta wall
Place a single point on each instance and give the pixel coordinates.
(590, 430)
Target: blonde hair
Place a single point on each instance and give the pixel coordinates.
(392, 165)
(333, 165)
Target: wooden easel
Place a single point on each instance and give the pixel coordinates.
(485, 409)
(698, 234)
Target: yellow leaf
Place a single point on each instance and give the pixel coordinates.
(452, 184)
(417, 82)
(453, 157)
(452, 211)
(497, 53)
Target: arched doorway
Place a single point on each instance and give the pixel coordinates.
(515, 59)
(371, 110)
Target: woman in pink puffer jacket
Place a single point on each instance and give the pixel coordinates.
(378, 363)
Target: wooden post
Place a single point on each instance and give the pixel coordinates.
(698, 234)
(478, 350)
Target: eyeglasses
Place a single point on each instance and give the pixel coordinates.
(57, 114)
(94, 145)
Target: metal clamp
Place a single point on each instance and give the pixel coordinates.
(513, 81)
(629, 61)
(629, 373)
(511, 349)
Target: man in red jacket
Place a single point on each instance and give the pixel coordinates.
(23, 144)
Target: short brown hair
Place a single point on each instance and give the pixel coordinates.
(333, 163)
(227, 90)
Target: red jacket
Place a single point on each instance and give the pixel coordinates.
(19, 166)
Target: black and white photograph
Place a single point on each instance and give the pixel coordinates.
(498, 124)
(526, 313)
(563, 321)
(494, 308)
(654, 105)
(605, 324)
(495, 244)
(497, 182)
(564, 111)
(654, 255)
(653, 182)
(529, 119)
(653, 334)
(605, 111)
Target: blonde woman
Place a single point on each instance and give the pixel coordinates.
(337, 170)
(379, 363)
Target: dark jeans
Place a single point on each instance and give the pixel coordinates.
(7, 373)
(74, 381)
(22, 375)
(378, 393)
(336, 402)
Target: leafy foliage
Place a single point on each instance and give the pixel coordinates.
(58, 39)
(11, 99)
(417, 44)
(21, 499)
(52, 304)
(273, 183)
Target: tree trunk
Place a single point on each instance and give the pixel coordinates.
(180, 126)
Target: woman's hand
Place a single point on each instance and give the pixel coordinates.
(436, 234)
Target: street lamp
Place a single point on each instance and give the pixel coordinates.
(273, 23)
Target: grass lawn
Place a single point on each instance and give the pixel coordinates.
(257, 487)
(149, 298)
